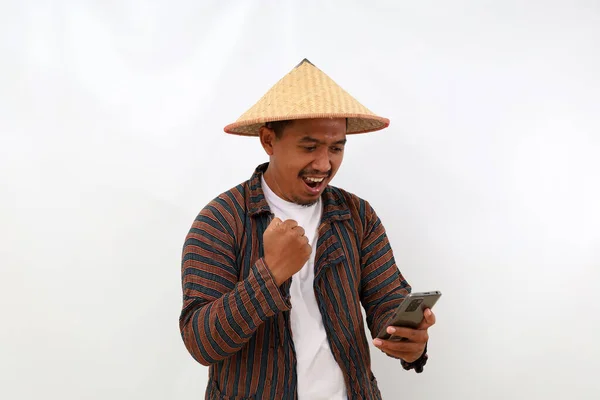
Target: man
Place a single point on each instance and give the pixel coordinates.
(275, 270)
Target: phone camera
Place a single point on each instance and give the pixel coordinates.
(414, 305)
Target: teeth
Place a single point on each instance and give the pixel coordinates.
(314, 179)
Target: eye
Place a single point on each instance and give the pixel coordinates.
(337, 149)
(310, 148)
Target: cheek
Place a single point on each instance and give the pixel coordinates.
(287, 162)
(299, 162)
(336, 161)
(292, 170)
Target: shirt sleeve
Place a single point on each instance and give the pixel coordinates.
(220, 313)
(383, 287)
(418, 364)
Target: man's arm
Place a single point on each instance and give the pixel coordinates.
(383, 287)
(220, 313)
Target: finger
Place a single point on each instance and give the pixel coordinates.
(398, 347)
(290, 223)
(428, 319)
(408, 356)
(308, 249)
(299, 230)
(412, 335)
(404, 350)
(275, 222)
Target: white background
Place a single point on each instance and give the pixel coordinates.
(488, 180)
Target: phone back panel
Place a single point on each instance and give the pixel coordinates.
(410, 312)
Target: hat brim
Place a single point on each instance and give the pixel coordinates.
(357, 123)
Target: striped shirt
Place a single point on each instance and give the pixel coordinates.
(236, 319)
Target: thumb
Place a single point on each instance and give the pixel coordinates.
(275, 222)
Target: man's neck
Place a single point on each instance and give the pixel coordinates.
(271, 180)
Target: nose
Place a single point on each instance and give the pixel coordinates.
(322, 162)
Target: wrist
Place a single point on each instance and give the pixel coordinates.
(417, 364)
(274, 273)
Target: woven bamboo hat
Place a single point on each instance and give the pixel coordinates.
(307, 92)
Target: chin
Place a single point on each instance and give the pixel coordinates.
(307, 202)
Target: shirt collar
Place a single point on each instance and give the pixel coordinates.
(335, 207)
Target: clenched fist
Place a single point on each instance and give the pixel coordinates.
(286, 249)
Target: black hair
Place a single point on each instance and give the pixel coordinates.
(279, 126)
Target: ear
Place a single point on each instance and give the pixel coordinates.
(267, 139)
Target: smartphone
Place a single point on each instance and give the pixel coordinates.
(410, 312)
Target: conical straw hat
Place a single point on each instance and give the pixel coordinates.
(307, 92)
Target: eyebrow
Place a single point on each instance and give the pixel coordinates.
(308, 139)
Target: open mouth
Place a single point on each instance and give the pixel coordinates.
(314, 184)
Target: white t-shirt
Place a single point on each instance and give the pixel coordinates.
(319, 375)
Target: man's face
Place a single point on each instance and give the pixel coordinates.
(305, 158)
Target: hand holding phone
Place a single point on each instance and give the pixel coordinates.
(409, 313)
(408, 328)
